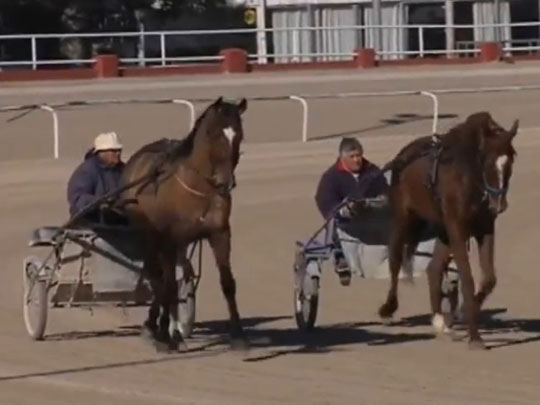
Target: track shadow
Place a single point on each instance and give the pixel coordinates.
(397, 119)
(204, 328)
(125, 331)
(198, 352)
(325, 339)
(490, 327)
(222, 325)
(486, 316)
(209, 330)
(495, 326)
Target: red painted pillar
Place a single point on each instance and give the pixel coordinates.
(490, 51)
(365, 58)
(106, 66)
(234, 60)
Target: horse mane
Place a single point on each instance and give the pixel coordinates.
(173, 148)
(460, 140)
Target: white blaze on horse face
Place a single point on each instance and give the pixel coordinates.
(500, 163)
(230, 134)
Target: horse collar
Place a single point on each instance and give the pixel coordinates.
(220, 190)
(188, 188)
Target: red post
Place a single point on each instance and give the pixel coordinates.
(234, 60)
(106, 66)
(490, 51)
(365, 58)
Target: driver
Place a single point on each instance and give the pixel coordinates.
(351, 176)
(98, 174)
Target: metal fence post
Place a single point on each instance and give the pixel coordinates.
(435, 109)
(163, 49)
(56, 135)
(304, 116)
(34, 52)
(191, 107)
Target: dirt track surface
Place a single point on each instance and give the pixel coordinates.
(351, 358)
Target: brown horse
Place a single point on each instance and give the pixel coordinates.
(189, 200)
(458, 184)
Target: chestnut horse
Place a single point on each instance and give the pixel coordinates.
(188, 200)
(456, 182)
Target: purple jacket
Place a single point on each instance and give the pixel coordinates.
(91, 180)
(337, 183)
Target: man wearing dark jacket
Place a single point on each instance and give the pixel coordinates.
(351, 176)
(97, 175)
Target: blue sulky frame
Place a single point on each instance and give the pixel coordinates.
(310, 255)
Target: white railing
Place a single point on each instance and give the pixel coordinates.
(302, 99)
(166, 57)
(55, 108)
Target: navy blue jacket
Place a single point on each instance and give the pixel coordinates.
(91, 180)
(337, 183)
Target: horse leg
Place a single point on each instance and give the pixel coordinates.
(175, 331)
(486, 248)
(395, 259)
(435, 270)
(220, 242)
(459, 248)
(169, 321)
(150, 272)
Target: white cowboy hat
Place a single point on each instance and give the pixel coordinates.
(107, 141)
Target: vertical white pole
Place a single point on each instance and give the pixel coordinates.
(304, 116)
(435, 109)
(56, 135)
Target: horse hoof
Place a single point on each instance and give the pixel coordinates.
(177, 343)
(477, 345)
(387, 310)
(440, 325)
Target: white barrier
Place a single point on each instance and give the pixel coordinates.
(51, 108)
(300, 98)
(191, 107)
(304, 116)
(305, 108)
(56, 135)
(435, 110)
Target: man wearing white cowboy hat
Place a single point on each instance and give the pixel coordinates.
(97, 175)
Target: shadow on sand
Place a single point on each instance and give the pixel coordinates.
(397, 119)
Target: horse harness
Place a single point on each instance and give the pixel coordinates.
(158, 173)
(434, 153)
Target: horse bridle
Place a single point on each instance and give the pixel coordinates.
(493, 191)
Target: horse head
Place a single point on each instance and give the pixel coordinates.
(497, 157)
(223, 134)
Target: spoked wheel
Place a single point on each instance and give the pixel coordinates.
(306, 294)
(186, 306)
(35, 303)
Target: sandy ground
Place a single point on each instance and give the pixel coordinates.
(351, 357)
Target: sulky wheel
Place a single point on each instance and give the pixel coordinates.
(306, 294)
(35, 303)
(186, 306)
